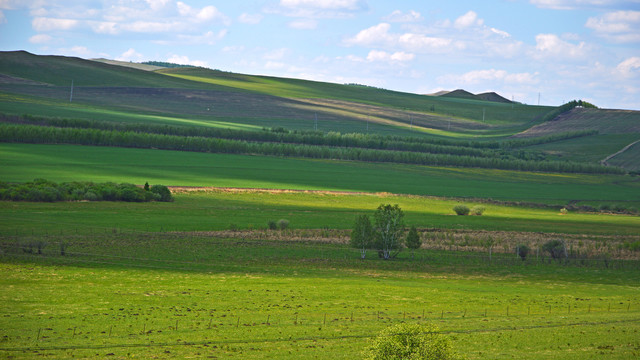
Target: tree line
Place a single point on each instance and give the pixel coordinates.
(42, 190)
(52, 135)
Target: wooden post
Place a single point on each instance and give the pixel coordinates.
(238, 322)
(324, 321)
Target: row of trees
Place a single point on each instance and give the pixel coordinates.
(53, 135)
(42, 190)
(281, 135)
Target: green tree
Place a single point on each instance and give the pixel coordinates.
(461, 209)
(410, 342)
(413, 240)
(389, 222)
(555, 248)
(146, 186)
(362, 235)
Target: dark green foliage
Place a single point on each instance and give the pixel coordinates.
(389, 221)
(359, 147)
(283, 224)
(163, 192)
(362, 235)
(523, 251)
(41, 190)
(272, 225)
(410, 342)
(555, 248)
(146, 186)
(477, 210)
(165, 64)
(461, 210)
(413, 240)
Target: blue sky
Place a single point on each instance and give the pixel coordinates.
(560, 49)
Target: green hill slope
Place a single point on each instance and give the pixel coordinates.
(60, 71)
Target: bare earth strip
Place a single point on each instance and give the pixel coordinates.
(604, 162)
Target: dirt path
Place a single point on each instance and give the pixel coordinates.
(604, 162)
(184, 189)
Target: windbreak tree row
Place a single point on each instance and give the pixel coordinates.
(281, 135)
(52, 135)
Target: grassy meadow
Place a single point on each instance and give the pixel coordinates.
(204, 277)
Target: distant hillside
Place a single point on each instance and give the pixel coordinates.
(605, 121)
(463, 94)
(61, 70)
(139, 66)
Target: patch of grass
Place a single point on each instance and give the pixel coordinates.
(174, 296)
(22, 162)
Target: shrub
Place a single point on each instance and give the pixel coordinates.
(461, 209)
(523, 251)
(163, 191)
(477, 210)
(410, 341)
(555, 248)
(272, 225)
(283, 224)
(564, 211)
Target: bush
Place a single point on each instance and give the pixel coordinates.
(283, 224)
(272, 225)
(163, 191)
(410, 341)
(477, 210)
(564, 211)
(461, 210)
(523, 251)
(555, 248)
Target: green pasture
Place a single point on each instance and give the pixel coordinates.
(593, 148)
(25, 162)
(495, 113)
(169, 296)
(208, 211)
(629, 159)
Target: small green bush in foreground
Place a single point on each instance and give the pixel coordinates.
(412, 342)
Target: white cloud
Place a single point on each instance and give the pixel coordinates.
(43, 24)
(277, 54)
(550, 45)
(618, 26)
(130, 55)
(208, 38)
(467, 20)
(3, 19)
(304, 24)
(207, 13)
(274, 65)
(184, 60)
(578, 4)
(379, 35)
(377, 55)
(319, 8)
(83, 52)
(503, 34)
(40, 39)
(629, 67)
(399, 16)
(250, 18)
(490, 76)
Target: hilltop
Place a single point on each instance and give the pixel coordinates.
(463, 94)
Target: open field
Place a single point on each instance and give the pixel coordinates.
(167, 297)
(59, 163)
(204, 277)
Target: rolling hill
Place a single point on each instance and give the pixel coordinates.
(112, 91)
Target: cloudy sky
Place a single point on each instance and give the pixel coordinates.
(560, 49)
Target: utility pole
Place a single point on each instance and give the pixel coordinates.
(483, 114)
(315, 126)
(71, 94)
(367, 123)
(538, 99)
